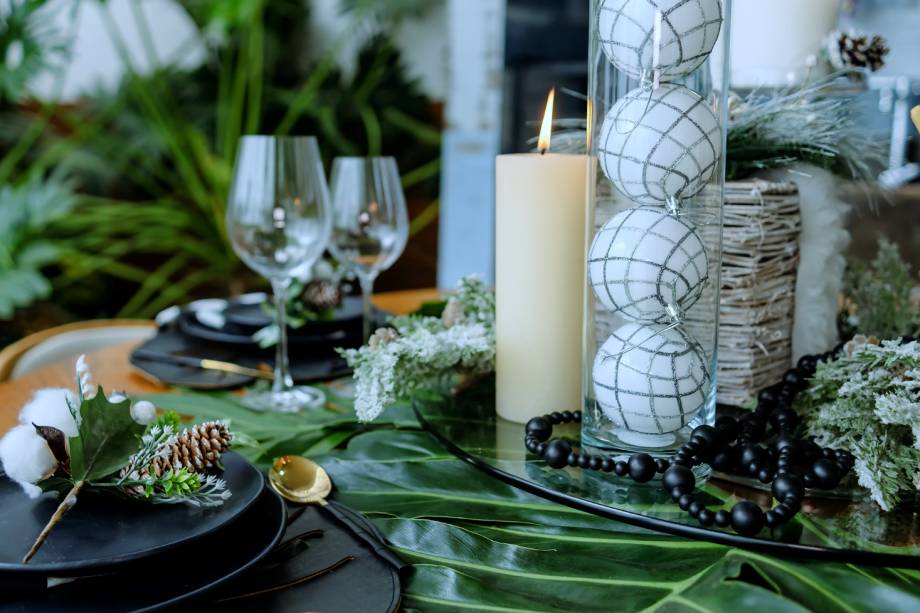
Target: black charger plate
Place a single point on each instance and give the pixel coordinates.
(314, 368)
(103, 531)
(165, 580)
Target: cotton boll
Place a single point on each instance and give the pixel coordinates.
(48, 407)
(117, 397)
(26, 458)
(143, 412)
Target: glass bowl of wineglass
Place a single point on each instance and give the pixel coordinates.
(370, 220)
(279, 223)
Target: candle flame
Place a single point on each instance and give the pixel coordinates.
(546, 130)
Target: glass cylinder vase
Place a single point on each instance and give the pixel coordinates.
(658, 112)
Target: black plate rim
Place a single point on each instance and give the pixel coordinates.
(190, 326)
(855, 556)
(246, 322)
(70, 568)
(276, 538)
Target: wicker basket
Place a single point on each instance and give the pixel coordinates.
(760, 255)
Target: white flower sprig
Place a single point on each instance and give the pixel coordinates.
(417, 350)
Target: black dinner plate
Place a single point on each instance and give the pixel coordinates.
(248, 314)
(165, 580)
(103, 531)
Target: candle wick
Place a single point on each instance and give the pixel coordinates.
(543, 151)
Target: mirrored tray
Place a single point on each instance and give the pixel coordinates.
(841, 530)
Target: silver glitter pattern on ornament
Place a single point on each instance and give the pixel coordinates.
(650, 379)
(658, 39)
(646, 262)
(660, 144)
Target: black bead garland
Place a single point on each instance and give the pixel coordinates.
(732, 446)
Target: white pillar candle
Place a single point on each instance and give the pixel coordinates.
(774, 41)
(540, 282)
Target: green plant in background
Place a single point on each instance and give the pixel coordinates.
(151, 159)
(879, 296)
(27, 46)
(26, 211)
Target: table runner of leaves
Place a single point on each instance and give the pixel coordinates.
(478, 544)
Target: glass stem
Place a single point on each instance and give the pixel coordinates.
(283, 380)
(367, 290)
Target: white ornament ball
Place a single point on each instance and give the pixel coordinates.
(646, 259)
(650, 380)
(670, 37)
(660, 143)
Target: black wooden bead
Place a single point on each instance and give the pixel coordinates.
(685, 501)
(661, 465)
(555, 417)
(531, 444)
(771, 519)
(539, 428)
(621, 468)
(747, 518)
(596, 462)
(584, 461)
(765, 475)
(726, 460)
(573, 459)
(676, 493)
(680, 478)
(641, 467)
(541, 449)
(751, 454)
(788, 485)
(826, 474)
(695, 508)
(794, 379)
(576, 417)
(767, 396)
(567, 417)
(783, 442)
(705, 435)
(793, 504)
(727, 428)
(723, 518)
(784, 512)
(557, 452)
(808, 364)
(607, 465)
(753, 425)
(809, 480)
(706, 517)
(682, 459)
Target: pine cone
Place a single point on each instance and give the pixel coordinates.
(320, 295)
(196, 449)
(853, 50)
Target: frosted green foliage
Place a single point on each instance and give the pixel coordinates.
(419, 351)
(868, 402)
(881, 294)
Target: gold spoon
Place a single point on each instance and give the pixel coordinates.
(303, 481)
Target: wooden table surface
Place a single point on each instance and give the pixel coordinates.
(112, 370)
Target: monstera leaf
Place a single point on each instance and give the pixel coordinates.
(477, 544)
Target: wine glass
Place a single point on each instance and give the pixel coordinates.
(279, 222)
(370, 222)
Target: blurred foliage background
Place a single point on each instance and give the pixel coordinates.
(113, 205)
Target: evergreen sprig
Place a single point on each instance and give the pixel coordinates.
(420, 350)
(868, 402)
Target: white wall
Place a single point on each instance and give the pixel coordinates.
(95, 60)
